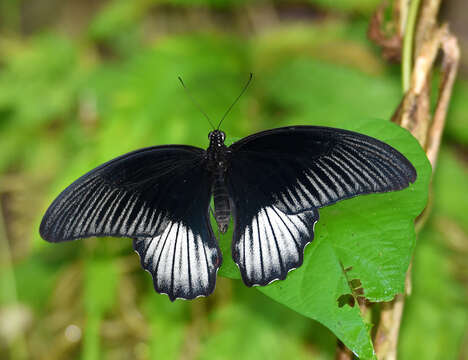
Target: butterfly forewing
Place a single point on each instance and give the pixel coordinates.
(278, 179)
(160, 197)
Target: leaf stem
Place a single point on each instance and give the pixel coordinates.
(407, 56)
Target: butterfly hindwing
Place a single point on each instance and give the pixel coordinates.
(277, 180)
(160, 197)
(268, 242)
(183, 260)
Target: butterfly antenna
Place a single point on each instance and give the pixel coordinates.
(237, 99)
(194, 102)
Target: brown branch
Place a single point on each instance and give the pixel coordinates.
(386, 339)
(427, 23)
(415, 115)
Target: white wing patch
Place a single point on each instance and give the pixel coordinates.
(182, 263)
(273, 244)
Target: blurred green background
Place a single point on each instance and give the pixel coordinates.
(84, 81)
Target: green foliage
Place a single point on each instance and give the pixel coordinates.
(350, 95)
(116, 18)
(36, 89)
(69, 103)
(32, 71)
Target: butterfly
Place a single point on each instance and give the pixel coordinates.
(271, 183)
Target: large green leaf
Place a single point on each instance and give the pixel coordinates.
(371, 236)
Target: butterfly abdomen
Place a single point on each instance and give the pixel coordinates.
(222, 209)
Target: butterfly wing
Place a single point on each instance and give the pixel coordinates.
(160, 197)
(277, 180)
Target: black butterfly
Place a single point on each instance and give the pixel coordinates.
(272, 182)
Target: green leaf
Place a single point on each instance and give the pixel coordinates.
(371, 235)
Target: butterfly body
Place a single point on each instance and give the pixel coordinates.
(272, 183)
(217, 163)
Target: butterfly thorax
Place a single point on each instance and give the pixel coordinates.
(217, 164)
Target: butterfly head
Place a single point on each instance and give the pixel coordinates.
(216, 138)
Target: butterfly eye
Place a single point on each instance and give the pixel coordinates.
(209, 135)
(223, 135)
